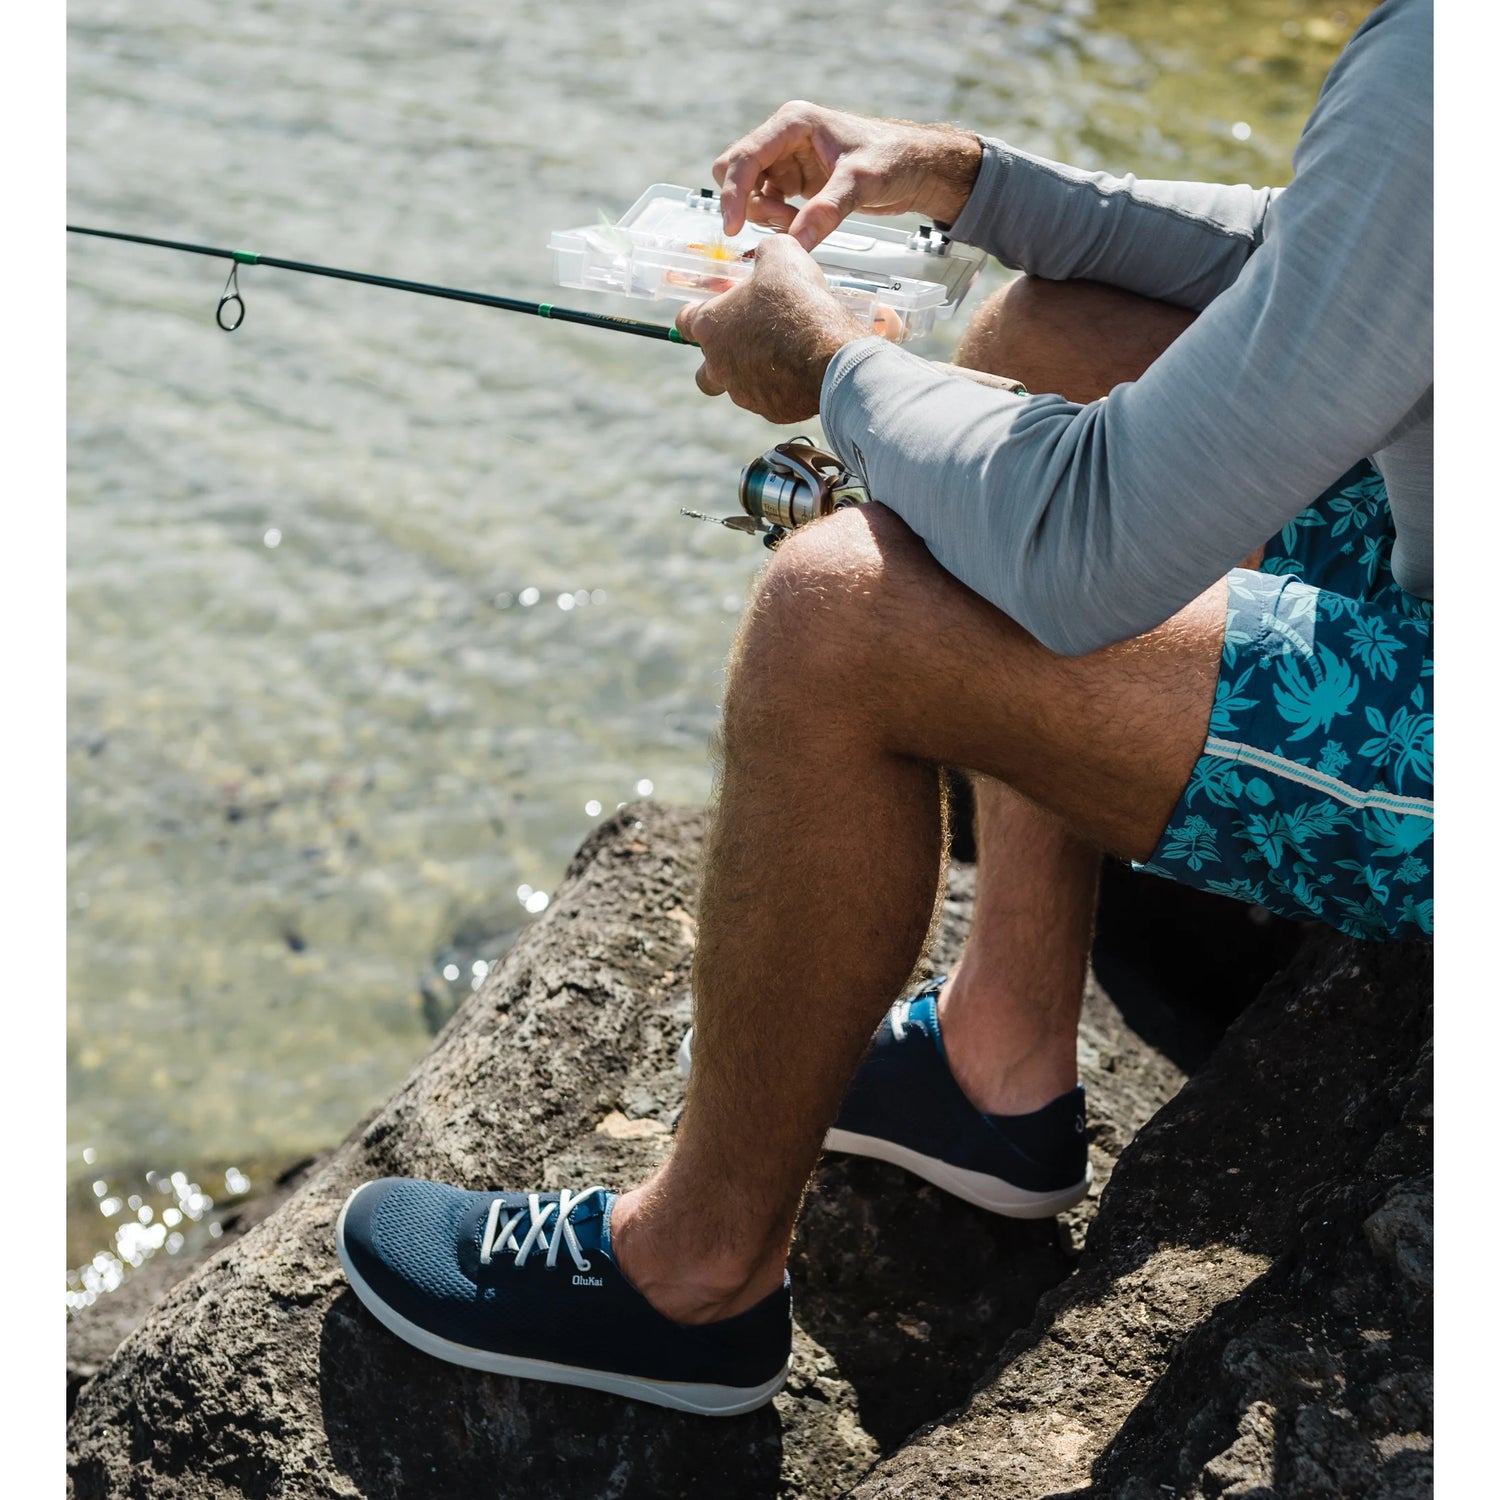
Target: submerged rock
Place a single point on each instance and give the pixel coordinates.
(1260, 1252)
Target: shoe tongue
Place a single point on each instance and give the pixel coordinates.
(589, 1218)
(923, 1014)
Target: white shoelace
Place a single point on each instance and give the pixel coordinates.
(501, 1237)
(900, 1015)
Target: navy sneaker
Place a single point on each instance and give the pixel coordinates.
(904, 1107)
(524, 1284)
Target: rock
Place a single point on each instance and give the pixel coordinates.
(96, 1332)
(1252, 1317)
(1242, 1211)
(619, 1127)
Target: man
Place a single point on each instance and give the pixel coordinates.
(1049, 597)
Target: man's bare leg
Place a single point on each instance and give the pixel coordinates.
(1009, 1011)
(1074, 338)
(860, 668)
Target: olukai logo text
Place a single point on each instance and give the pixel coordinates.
(587, 1281)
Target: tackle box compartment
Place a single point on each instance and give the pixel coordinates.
(670, 244)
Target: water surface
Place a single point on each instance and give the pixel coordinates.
(377, 605)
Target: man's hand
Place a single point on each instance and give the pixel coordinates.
(839, 163)
(769, 340)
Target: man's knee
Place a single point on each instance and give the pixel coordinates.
(1072, 338)
(1014, 323)
(1029, 306)
(825, 611)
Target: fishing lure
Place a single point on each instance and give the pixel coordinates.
(898, 282)
(698, 281)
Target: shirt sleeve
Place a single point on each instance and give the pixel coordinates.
(1091, 524)
(1180, 242)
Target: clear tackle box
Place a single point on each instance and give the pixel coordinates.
(671, 244)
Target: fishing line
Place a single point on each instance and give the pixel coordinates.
(230, 312)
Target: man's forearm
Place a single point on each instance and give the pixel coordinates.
(949, 160)
(1178, 242)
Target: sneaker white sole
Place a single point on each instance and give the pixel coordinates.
(701, 1400)
(978, 1188)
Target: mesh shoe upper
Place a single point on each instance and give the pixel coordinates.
(904, 1092)
(419, 1247)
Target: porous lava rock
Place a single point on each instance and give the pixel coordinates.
(1251, 1312)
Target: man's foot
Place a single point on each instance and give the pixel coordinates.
(904, 1107)
(525, 1284)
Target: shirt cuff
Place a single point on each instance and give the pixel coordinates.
(851, 355)
(838, 402)
(970, 227)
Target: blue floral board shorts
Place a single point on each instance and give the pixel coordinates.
(1313, 794)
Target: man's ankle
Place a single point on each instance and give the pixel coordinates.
(1005, 1064)
(680, 1280)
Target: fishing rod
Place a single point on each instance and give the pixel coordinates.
(792, 484)
(789, 486)
(230, 312)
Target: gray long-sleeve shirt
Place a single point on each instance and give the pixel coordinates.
(1091, 524)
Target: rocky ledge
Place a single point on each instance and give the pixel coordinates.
(1250, 1317)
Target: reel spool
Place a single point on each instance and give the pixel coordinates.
(792, 484)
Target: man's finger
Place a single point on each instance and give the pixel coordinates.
(781, 255)
(739, 170)
(706, 383)
(768, 206)
(687, 315)
(826, 210)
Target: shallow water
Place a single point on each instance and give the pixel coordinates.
(322, 745)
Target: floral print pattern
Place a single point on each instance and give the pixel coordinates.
(1313, 794)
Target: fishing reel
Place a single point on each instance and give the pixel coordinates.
(793, 483)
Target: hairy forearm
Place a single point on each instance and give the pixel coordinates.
(948, 159)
